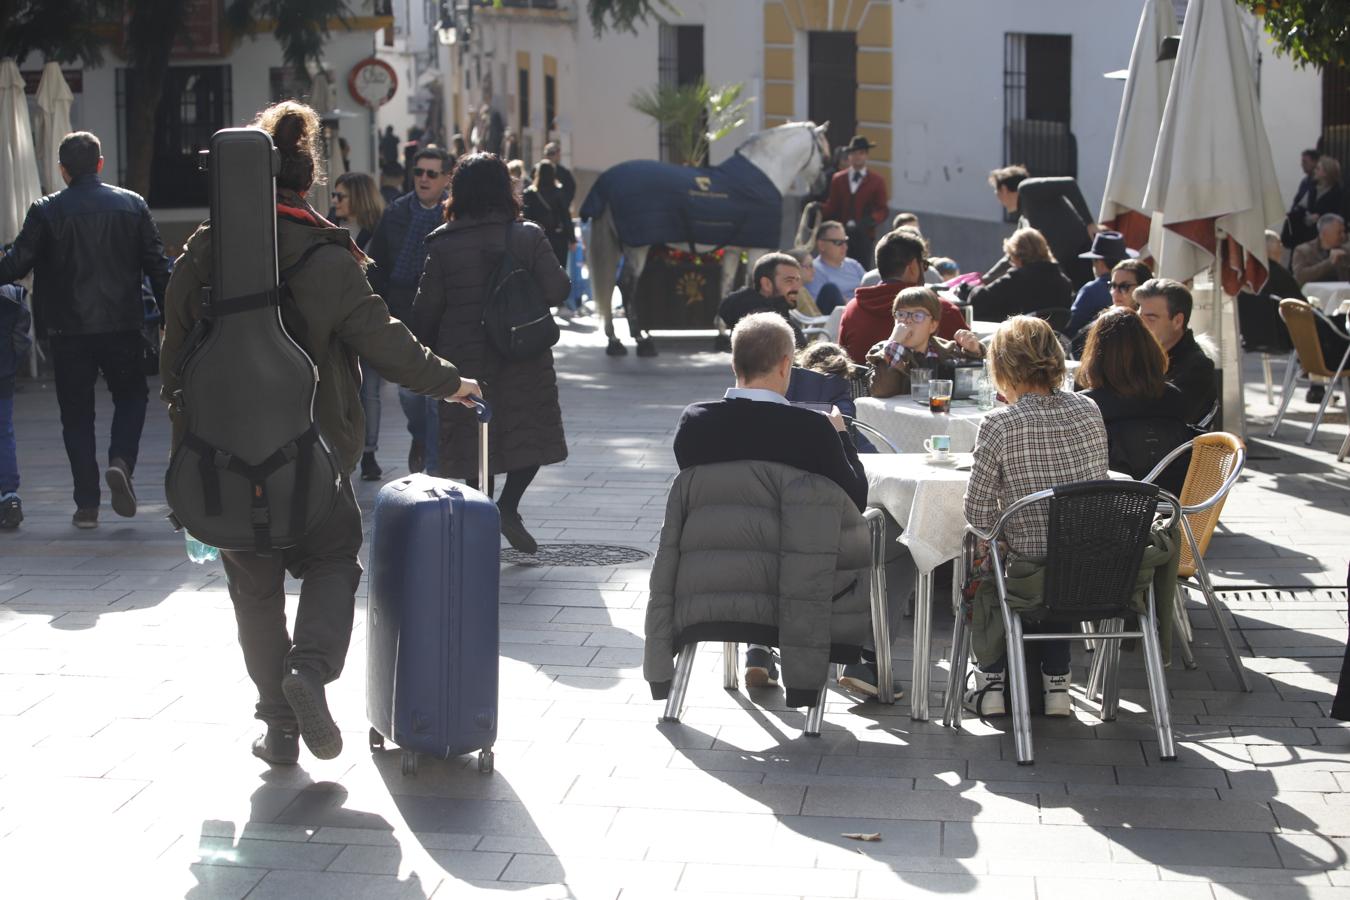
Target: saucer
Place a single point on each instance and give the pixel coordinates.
(951, 460)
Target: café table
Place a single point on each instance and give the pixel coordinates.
(927, 499)
(906, 423)
(1327, 295)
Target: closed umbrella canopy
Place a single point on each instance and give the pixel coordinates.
(1212, 177)
(54, 99)
(1141, 112)
(19, 186)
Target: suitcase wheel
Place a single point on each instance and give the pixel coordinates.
(376, 741)
(409, 763)
(487, 761)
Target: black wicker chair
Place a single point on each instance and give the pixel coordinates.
(1098, 532)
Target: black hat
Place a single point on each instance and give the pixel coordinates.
(1109, 247)
(859, 143)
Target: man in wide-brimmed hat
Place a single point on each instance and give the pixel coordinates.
(858, 198)
(1108, 248)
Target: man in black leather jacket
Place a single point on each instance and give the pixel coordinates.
(91, 245)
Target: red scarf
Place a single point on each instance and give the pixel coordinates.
(305, 215)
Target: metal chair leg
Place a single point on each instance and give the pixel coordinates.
(730, 673)
(1345, 445)
(1021, 704)
(956, 673)
(684, 667)
(1345, 448)
(1286, 392)
(815, 716)
(1270, 380)
(1089, 628)
(1157, 681)
(1099, 661)
(1321, 411)
(1182, 628)
(881, 626)
(1111, 674)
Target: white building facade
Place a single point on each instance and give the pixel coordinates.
(947, 89)
(218, 82)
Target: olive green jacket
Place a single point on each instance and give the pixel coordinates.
(1025, 585)
(332, 312)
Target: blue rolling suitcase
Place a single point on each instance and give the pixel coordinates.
(431, 623)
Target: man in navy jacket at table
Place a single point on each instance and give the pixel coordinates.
(755, 421)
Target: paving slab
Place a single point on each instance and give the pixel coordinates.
(127, 710)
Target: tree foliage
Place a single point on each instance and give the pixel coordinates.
(695, 115)
(625, 15)
(60, 30)
(1313, 32)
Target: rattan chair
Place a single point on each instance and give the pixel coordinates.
(1301, 320)
(684, 664)
(1098, 532)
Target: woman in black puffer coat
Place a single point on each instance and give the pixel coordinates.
(526, 431)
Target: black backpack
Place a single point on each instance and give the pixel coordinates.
(252, 472)
(518, 323)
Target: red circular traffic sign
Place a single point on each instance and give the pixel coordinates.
(372, 82)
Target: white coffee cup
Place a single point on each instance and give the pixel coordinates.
(939, 446)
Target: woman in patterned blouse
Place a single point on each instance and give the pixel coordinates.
(1044, 437)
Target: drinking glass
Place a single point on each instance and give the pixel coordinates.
(940, 396)
(918, 384)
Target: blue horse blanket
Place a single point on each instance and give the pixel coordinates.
(731, 205)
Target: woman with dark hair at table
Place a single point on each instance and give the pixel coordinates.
(1124, 370)
(1044, 437)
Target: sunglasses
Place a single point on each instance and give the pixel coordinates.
(338, 195)
(912, 315)
(838, 242)
(427, 173)
(1121, 287)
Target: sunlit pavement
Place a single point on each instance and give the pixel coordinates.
(125, 715)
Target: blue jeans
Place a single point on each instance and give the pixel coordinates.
(371, 382)
(9, 458)
(581, 285)
(423, 423)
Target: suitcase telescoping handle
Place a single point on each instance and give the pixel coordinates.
(483, 412)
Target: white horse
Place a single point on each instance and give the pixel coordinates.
(792, 156)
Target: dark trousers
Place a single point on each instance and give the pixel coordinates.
(327, 566)
(78, 359)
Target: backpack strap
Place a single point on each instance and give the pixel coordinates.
(211, 461)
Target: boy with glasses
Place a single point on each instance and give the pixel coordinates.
(914, 344)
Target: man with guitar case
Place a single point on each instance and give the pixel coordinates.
(260, 373)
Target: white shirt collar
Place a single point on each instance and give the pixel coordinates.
(760, 394)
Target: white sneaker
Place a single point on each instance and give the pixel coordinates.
(1057, 702)
(987, 699)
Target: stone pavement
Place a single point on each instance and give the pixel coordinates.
(125, 772)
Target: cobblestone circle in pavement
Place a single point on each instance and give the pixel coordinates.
(125, 715)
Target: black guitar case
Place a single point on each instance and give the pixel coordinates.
(252, 472)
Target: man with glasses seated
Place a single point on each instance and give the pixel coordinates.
(914, 344)
(398, 249)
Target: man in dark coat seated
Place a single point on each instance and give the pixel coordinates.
(775, 283)
(1165, 306)
(755, 421)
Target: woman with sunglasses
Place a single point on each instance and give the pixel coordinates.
(358, 204)
(914, 343)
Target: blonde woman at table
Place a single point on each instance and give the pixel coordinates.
(1044, 437)
(914, 344)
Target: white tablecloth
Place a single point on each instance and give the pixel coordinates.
(907, 423)
(925, 498)
(1327, 295)
(983, 330)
